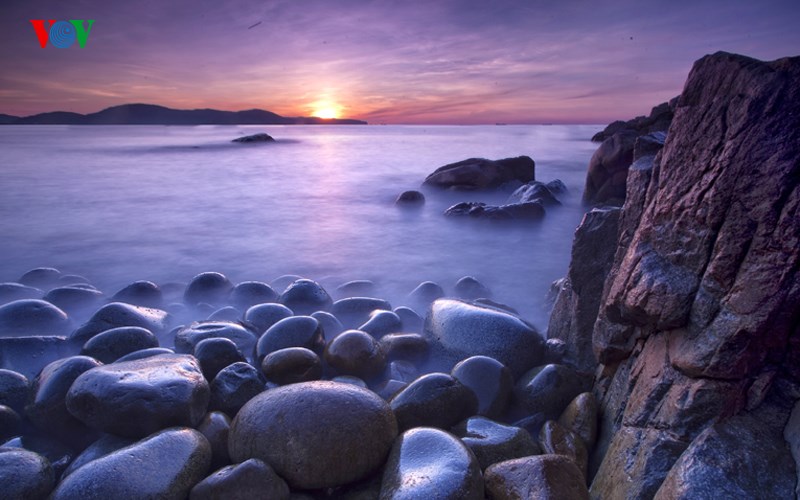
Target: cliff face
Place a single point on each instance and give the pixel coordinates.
(698, 325)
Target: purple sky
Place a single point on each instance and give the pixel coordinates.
(433, 61)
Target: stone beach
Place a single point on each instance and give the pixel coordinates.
(667, 369)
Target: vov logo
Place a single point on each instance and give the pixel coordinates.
(62, 34)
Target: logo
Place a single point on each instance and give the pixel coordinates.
(62, 34)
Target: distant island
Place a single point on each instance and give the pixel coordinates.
(150, 114)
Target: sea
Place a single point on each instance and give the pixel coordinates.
(117, 204)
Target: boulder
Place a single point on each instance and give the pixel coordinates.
(118, 314)
(291, 365)
(282, 427)
(355, 311)
(110, 345)
(234, 385)
(10, 423)
(29, 317)
(554, 439)
(457, 330)
(14, 389)
(249, 293)
(216, 353)
(263, 316)
(255, 138)
(296, 331)
(216, 427)
(410, 199)
(411, 347)
(658, 121)
(356, 353)
(208, 288)
(545, 477)
(11, 291)
(535, 191)
(356, 288)
(141, 293)
(106, 444)
(164, 465)
(137, 398)
(41, 277)
(25, 475)
(490, 380)
(433, 400)
(247, 480)
(381, 323)
(532, 211)
(548, 389)
(480, 173)
(431, 463)
(305, 297)
(608, 170)
(469, 288)
(76, 301)
(242, 335)
(492, 442)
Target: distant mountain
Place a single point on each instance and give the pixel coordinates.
(150, 114)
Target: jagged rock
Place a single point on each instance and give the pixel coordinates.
(532, 210)
(608, 170)
(658, 121)
(535, 191)
(480, 173)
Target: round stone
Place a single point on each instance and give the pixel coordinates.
(40, 277)
(188, 337)
(10, 292)
(580, 417)
(296, 331)
(25, 474)
(543, 476)
(492, 442)
(14, 389)
(434, 400)
(410, 199)
(381, 323)
(74, 300)
(28, 317)
(405, 346)
(356, 288)
(110, 345)
(164, 465)
(249, 293)
(469, 288)
(250, 479)
(209, 288)
(292, 365)
(106, 444)
(547, 390)
(216, 353)
(412, 322)
(355, 311)
(431, 463)
(306, 296)
(425, 293)
(10, 423)
(263, 316)
(331, 327)
(234, 386)
(315, 434)
(120, 314)
(216, 426)
(355, 353)
(145, 353)
(490, 380)
(140, 293)
(227, 313)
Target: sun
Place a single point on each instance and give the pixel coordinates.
(325, 109)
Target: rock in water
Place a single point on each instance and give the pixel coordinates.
(545, 477)
(25, 475)
(118, 314)
(164, 465)
(458, 330)
(315, 434)
(434, 400)
(210, 288)
(410, 199)
(137, 398)
(492, 442)
(480, 173)
(431, 464)
(305, 297)
(32, 317)
(110, 345)
(262, 137)
(489, 380)
(247, 480)
(188, 337)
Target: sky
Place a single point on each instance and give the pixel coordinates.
(412, 61)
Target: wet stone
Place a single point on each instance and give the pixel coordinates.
(291, 365)
(14, 389)
(47, 408)
(387, 390)
(28, 355)
(141, 293)
(356, 288)
(296, 331)
(216, 426)
(137, 398)
(227, 313)
(145, 353)
(75, 301)
(11, 291)
(234, 386)
(350, 379)
(556, 440)
(469, 288)
(381, 323)
(118, 314)
(580, 417)
(164, 465)
(10, 423)
(425, 293)
(108, 443)
(405, 346)
(355, 311)
(57, 453)
(412, 322)
(331, 327)
(490, 380)
(28, 317)
(188, 337)
(263, 316)
(249, 293)
(355, 353)
(404, 371)
(110, 345)
(216, 353)
(248, 480)
(41, 277)
(548, 390)
(546, 477)
(282, 427)
(433, 400)
(209, 288)
(492, 442)
(306, 296)
(410, 199)
(25, 475)
(431, 463)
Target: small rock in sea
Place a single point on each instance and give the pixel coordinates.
(234, 386)
(250, 479)
(25, 474)
(163, 465)
(412, 322)
(431, 463)
(292, 365)
(141, 293)
(555, 439)
(331, 326)
(106, 444)
(188, 337)
(47, 409)
(410, 199)
(216, 353)
(28, 317)
(531, 210)
(41, 277)
(405, 346)
(120, 314)
(548, 389)
(356, 353)
(425, 293)
(263, 316)
(534, 191)
(492, 442)
(490, 380)
(356, 288)
(433, 400)
(75, 301)
(557, 187)
(580, 417)
(10, 292)
(261, 137)
(382, 322)
(216, 426)
(295, 331)
(542, 476)
(209, 287)
(480, 173)
(110, 345)
(137, 398)
(227, 313)
(249, 293)
(14, 389)
(469, 288)
(282, 427)
(305, 297)
(353, 312)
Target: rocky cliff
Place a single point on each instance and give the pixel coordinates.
(694, 305)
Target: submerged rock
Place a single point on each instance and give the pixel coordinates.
(141, 293)
(209, 288)
(260, 137)
(10, 292)
(283, 427)
(410, 199)
(533, 210)
(480, 173)
(431, 463)
(41, 277)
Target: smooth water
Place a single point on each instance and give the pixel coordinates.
(123, 203)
